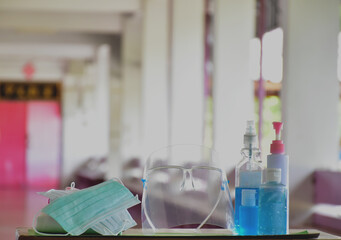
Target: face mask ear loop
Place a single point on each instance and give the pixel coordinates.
(183, 180)
(118, 180)
(41, 233)
(191, 179)
(229, 195)
(123, 228)
(213, 209)
(146, 214)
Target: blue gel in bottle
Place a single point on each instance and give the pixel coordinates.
(246, 217)
(273, 205)
(248, 211)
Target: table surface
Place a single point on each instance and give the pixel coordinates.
(131, 234)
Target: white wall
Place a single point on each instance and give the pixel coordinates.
(310, 96)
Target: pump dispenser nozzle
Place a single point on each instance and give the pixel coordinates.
(277, 127)
(277, 146)
(250, 136)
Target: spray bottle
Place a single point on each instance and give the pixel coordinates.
(248, 180)
(277, 159)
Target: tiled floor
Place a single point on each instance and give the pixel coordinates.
(17, 209)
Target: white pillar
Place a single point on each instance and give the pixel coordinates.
(103, 100)
(131, 88)
(310, 96)
(115, 159)
(187, 91)
(233, 95)
(155, 61)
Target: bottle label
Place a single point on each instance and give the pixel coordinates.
(249, 197)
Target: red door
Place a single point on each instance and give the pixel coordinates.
(30, 144)
(12, 144)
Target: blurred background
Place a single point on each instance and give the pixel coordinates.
(88, 89)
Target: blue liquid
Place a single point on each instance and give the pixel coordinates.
(272, 209)
(246, 217)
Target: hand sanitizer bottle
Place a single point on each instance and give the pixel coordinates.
(248, 180)
(278, 159)
(272, 204)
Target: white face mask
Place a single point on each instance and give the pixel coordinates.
(47, 226)
(115, 224)
(53, 194)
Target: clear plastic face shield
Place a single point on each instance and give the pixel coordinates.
(185, 188)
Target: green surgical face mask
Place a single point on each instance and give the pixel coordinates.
(83, 209)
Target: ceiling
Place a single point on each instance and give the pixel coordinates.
(85, 16)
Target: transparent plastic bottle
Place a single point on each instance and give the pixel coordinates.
(248, 180)
(273, 204)
(278, 159)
